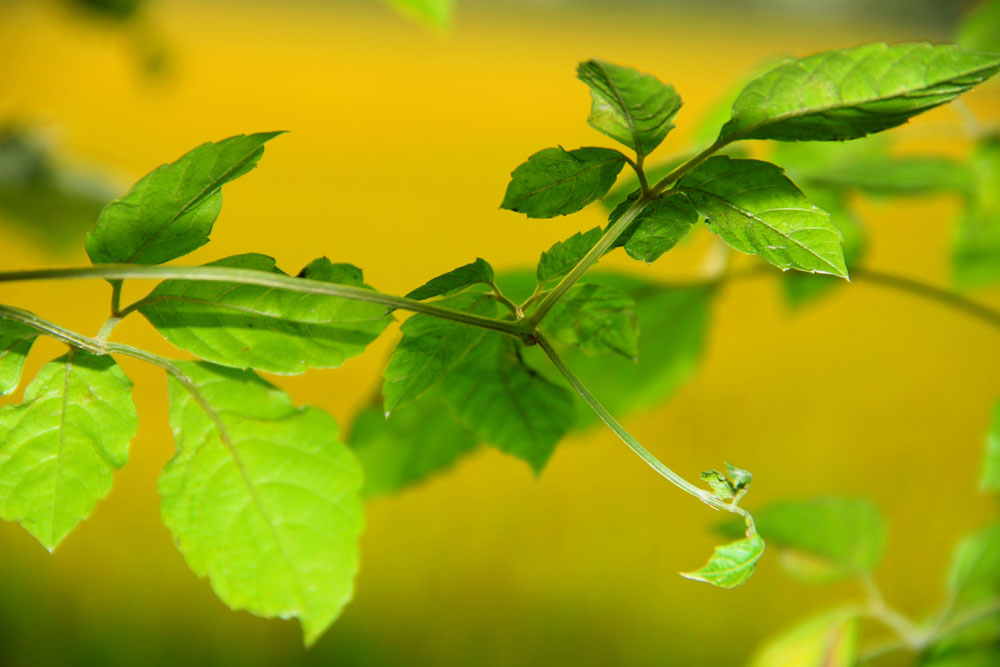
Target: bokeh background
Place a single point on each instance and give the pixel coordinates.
(402, 137)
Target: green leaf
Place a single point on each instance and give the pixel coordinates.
(455, 280)
(847, 94)
(62, 443)
(171, 210)
(754, 208)
(657, 229)
(981, 28)
(976, 249)
(16, 340)
(274, 330)
(261, 497)
(507, 404)
(731, 564)
(555, 181)
(719, 484)
(802, 288)
(412, 444)
(597, 319)
(560, 259)
(430, 347)
(740, 478)
(830, 639)
(438, 13)
(825, 539)
(974, 573)
(632, 108)
(990, 480)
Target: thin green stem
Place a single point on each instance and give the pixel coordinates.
(263, 279)
(703, 495)
(686, 166)
(116, 298)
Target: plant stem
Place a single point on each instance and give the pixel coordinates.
(701, 494)
(263, 279)
(686, 166)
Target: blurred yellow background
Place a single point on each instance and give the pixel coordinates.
(401, 140)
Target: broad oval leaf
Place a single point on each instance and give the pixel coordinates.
(171, 210)
(430, 347)
(16, 340)
(410, 445)
(455, 280)
(268, 329)
(261, 497)
(831, 639)
(61, 445)
(507, 404)
(658, 228)
(555, 181)
(731, 564)
(560, 259)
(990, 480)
(847, 94)
(597, 319)
(754, 208)
(630, 107)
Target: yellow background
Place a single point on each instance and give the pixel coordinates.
(400, 146)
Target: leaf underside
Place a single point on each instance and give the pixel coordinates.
(731, 564)
(16, 340)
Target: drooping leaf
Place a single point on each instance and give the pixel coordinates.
(830, 639)
(555, 181)
(720, 485)
(754, 208)
(731, 564)
(632, 108)
(171, 210)
(506, 403)
(455, 280)
(990, 480)
(802, 288)
(438, 13)
(822, 540)
(405, 448)
(261, 497)
(976, 250)
(974, 573)
(16, 340)
(597, 319)
(560, 259)
(430, 347)
(657, 229)
(61, 445)
(846, 94)
(268, 329)
(981, 28)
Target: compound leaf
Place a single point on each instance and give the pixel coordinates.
(847, 94)
(632, 108)
(597, 319)
(268, 329)
(560, 259)
(455, 280)
(661, 224)
(507, 404)
(16, 340)
(405, 448)
(976, 250)
(261, 497)
(990, 480)
(171, 210)
(61, 445)
(555, 181)
(829, 640)
(754, 208)
(731, 564)
(430, 347)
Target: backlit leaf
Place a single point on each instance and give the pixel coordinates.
(990, 480)
(16, 340)
(560, 259)
(661, 224)
(981, 28)
(754, 208)
(976, 250)
(597, 319)
(275, 330)
(455, 280)
(261, 497)
(731, 564)
(974, 573)
(630, 107)
(61, 445)
(846, 94)
(828, 640)
(171, 210)
(555, 181)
